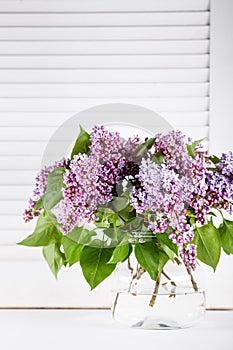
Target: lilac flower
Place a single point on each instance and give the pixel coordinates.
(173, 147)
(225, 166)
(163, 194)
(90, 179)
(83, 192)
(106, 145)
(212, 188)
(40, 188)
(188, 254)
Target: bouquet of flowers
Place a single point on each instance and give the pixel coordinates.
(156, 198)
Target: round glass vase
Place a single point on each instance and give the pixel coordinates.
(139, 302)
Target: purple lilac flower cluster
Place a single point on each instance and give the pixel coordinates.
(90, 179)
(172, 146)
(80, 196)
(225, 179)
(163, 197)
(188, 254)
(110, 146)
(40, 188)
(211, 187)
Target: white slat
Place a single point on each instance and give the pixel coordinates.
(20, 253)
(103, 5)
(101, 61)
(15, 222)
(100, 47)
(107, 76)
(55, 119)
(16, 192)
(22, 177)
(102, 20)
(26, 148)
(12, 207)
(126, 33)
(104, 90)
(74, 105)
(20, 162)
(10, 238)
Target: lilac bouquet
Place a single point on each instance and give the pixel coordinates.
(113, 197)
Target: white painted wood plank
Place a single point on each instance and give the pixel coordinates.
(55, 119)
(20, 162)
(124, 61)
(15, 222)
(106, 76)
(31, 148)
(100, 33)
(21, 254)
(103, 5)
(104, 90)
(75, 105)
(9, 238)
(100, 47)
(22, 177)
(102, 19)
(17, 192)
(12, 207)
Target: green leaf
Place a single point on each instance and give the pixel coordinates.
(191, 148)
(72, 250)
(120, 253)
(214, 159)
(136, 222)
(54, 258)
(147, 255)
(226, 235)
(53, 193)
(163, 259)
(164, 239)
(208, 244)
(39, 204)
(167, 251)
(158, 158)
(119, 203)
(143, 148)
(81, 235)
(82, 143)
(116, 235)
(94, 265)
(45, 233)
(127, 213)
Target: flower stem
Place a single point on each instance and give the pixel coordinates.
(195, 287)
(136, 276)
(115, 304)
(157, 284)
(129, 265)
(169, 278)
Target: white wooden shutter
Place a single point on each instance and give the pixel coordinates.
(60, 57)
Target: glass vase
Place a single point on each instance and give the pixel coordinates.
(174, 304)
